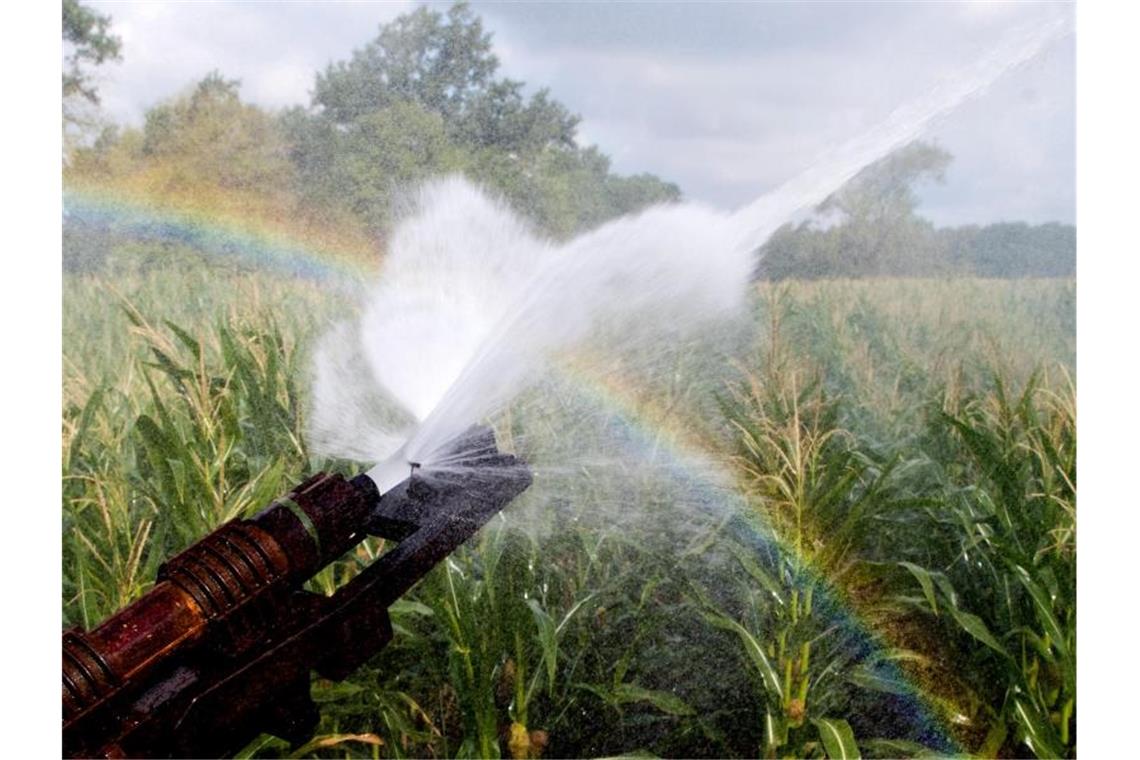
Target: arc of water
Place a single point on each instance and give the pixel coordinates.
(756, 221)
(749, 227)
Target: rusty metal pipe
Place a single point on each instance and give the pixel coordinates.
(225, 583)
(224, 646)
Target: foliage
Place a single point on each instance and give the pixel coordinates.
(87, 37)
(978, 510)
(418, 58)
(828, 497)
(420, 100)
(367, 163)
(1006, 580)
(423, 97)
(882, 194)
(1012, 249)
(445, 65)
(144, 480)
(557, 633)
(871, 228)
(87, 43)
(869, 425)
(570, 191)
(210, 136)
(799, 663)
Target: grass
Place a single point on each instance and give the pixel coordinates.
(910, 444)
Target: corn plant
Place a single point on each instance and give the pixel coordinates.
(183, 407)
(219, 440)
(107, 529)
(819, 494)
(1010, 584)
(501, 617)
(797, 663)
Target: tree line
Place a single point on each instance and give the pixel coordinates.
(425, 97)
(871, 228)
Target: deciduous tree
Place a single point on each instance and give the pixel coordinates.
(87, 42)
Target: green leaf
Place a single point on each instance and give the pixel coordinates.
(547, 637)
(160, 451)
(976, 627)
(1036, 731)
(761, 576)
(186, 339)
(404, 606)
(755, 652)
(837, 737)
(664, 701)
(170, 367)
(995, 738)
(93, 404)
(775, 732)
(1044, 609)
(922, 575)
(898, 748)
(866, 677)
(336, 691)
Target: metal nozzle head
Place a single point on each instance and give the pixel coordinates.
(482, 484)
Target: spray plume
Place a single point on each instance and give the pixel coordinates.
(472, 304)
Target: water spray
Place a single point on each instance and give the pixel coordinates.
(473, 306)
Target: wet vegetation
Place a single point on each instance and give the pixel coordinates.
(894, 573)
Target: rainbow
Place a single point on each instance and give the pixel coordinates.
(674, 451)
(248, 244)
(670, 447)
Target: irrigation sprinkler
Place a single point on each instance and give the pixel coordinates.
(222, 648)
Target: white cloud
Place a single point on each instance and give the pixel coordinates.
(729, 126)
(275, 49)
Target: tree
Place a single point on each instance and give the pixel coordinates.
(87, 40)
(884, 190)
(444, 64)
(874, 229)
(424, 97)
(418, 57)
(211, 138)
(498, 117)
(387, 150)
(881, 233)
(1014, 249)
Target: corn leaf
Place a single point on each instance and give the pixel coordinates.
(837, 737)
(548, 639)
(1036, 730)
(664, 701)
(754, 650)
(922, 575)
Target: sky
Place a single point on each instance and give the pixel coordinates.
(727, 99)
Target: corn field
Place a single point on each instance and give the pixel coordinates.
(895, 578)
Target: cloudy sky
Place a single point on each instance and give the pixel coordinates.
(726, 99)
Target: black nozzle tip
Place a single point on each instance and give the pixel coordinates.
(367, 488)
